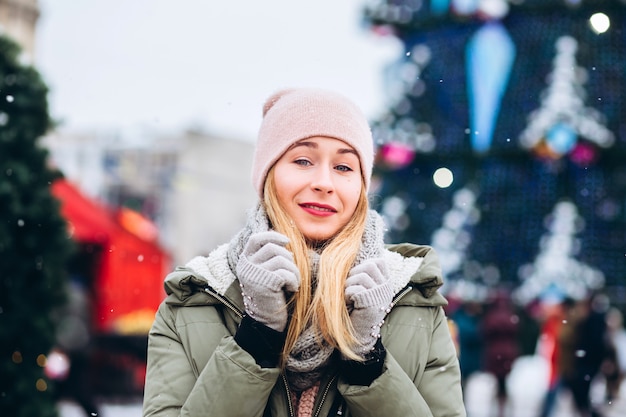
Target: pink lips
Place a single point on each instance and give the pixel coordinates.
(315, 209)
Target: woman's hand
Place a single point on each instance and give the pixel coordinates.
(369, 294)
(266, 273)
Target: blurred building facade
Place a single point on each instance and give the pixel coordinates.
(18, 19)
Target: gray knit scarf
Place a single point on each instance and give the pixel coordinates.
(311, 354)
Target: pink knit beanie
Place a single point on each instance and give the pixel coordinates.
(295, 114)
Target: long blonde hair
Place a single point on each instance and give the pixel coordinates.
(326, 307)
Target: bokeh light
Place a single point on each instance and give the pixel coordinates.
(599, 22)
(443, 177)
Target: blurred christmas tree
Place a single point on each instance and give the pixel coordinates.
(500, 112)
(34, 246)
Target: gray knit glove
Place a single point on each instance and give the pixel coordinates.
(369, 294)
(266, 271)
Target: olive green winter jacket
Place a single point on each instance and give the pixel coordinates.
(195, 367)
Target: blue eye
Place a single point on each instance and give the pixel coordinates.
(343, 168)
(302, 162)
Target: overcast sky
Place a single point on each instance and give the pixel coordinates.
(165, 64)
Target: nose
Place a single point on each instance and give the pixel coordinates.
(322, 180)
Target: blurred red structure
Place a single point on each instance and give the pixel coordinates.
(125, 267)
(131, 266)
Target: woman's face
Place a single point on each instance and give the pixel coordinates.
(318, 183)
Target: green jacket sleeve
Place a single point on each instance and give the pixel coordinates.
(197, 369)
(435, 391)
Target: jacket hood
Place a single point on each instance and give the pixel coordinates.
(426, 279)
(209, 280)
(204, 280)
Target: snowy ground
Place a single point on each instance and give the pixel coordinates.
(526, 389)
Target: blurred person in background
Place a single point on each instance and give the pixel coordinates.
(500, 328)
(529, 327)
(306, 311)
(583, 343)
(553, 307)
(70, 362)
(615, 369)
(468, 319)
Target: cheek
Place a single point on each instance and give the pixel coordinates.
(286, 186)
(280, 179)
(282, 193)
(352, 193)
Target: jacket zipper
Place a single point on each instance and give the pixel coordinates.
(291, 414)
(401, 294)
(324, 394)
(224, 301)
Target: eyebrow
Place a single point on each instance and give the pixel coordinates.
(314, 145)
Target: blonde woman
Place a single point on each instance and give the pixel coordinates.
(306, 312)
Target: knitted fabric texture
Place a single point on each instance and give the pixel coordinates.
(256, 222)
(304, 402)
(311, 354)
(294, 114)
(368, 295)
(267, 272)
